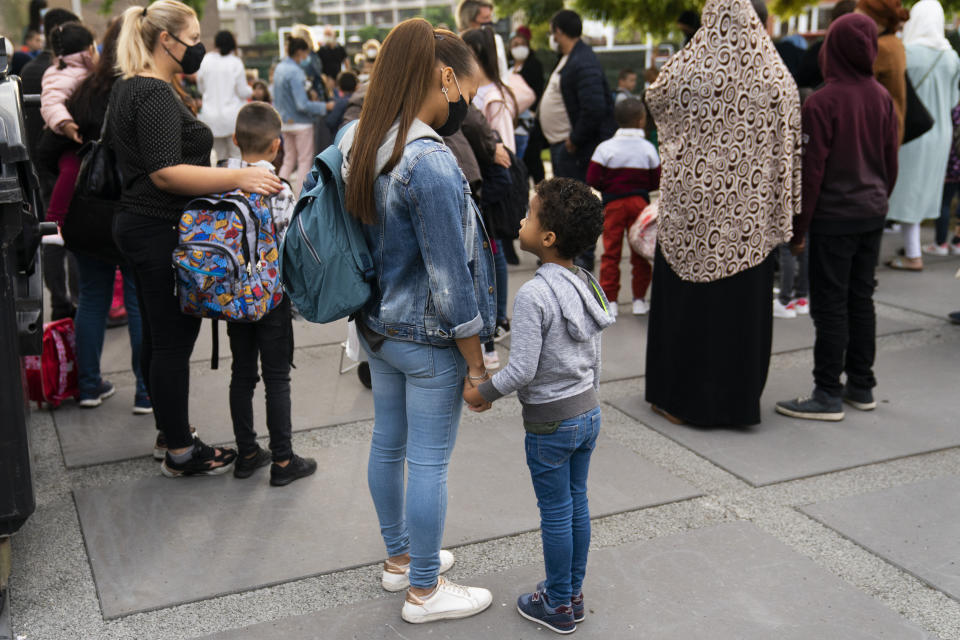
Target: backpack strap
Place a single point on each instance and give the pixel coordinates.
(930, 70)
(328, 164)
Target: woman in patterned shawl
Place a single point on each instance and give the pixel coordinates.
(728, 113)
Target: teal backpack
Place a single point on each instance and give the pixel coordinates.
(325, 265)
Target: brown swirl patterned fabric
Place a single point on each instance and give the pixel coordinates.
(728, 116)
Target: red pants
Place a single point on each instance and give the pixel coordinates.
(63, 189)
(617, 218)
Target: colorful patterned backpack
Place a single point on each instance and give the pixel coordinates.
(227, 259)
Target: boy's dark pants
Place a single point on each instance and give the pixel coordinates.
(270, 338)
(842, 280)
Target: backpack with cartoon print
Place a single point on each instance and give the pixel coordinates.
(227, 260)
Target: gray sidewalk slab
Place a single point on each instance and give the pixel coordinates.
(914, 526)
(911, 419)
(109, 433)
(934, 291)
(730, 582)
(263, 535)
(116, 346)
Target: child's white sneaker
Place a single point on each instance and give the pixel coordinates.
(780, 310)
(448, 601)
(640, 307)
(491, 360)
(614, 309)
(396, 577)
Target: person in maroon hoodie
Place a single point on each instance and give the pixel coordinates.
(851, 135)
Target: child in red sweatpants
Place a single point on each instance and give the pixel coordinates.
(625, 169)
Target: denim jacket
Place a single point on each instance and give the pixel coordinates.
(290, 95)
(434, 267)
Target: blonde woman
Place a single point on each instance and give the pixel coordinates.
(163, 153)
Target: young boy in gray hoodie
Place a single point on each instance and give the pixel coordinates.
(555, 369)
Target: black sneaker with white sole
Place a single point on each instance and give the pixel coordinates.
(861, 399)
(503, 330)
(820, 406)
(296, 469)
(206, 461)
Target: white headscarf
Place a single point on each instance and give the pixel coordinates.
(926, 26)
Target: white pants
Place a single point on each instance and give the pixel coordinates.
(911, 239)
(224, 148)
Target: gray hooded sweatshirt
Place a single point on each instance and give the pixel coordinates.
(554, 346)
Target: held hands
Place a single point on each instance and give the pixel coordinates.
(258, 180)
(501, 157)
(72, 130)
(471, 394)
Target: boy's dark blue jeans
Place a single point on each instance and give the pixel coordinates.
(271, 341)
(559, 463)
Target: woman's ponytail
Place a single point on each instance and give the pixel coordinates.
(141, 31)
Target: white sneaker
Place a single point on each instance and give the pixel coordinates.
(954, 249)
(640, 307)
(491, 360)
(780, 310)
(448, 601)
(396, 577)
(801, 306)
(934, 249)
(614, 309)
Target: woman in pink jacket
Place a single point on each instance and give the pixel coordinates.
(73, 44)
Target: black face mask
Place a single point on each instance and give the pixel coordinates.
(192, 56)
(456, 113)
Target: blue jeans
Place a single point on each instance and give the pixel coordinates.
(417, 391)
(96, 295)
(559, 463)
(500, 271)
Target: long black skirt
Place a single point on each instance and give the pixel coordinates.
(708, 345)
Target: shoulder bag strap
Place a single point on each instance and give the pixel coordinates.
(932, 67)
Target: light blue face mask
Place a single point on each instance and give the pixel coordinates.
(305, 63)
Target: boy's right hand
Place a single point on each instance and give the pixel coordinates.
(258, 180)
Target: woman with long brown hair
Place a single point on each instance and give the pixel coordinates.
(433, 301)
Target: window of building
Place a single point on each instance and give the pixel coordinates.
(356, 19)
(383, 18)
(261, 26)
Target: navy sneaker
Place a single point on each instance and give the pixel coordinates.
(820, 406)
(142, 405)
(579, 612)
(103, 391)
(954, 317)
(536, 608)
(861, 399)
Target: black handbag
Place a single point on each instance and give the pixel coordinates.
(917, 119)
(88, 226)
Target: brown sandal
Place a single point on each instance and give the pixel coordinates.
(669, 416)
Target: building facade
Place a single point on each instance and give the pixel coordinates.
(249, 19)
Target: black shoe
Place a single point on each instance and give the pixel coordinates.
(503, 330)
(246, 465)
(298, 468)
(363, 372)
(954, 317)
(204, 462)
(861, 399)
(160, 446)
(818, 407)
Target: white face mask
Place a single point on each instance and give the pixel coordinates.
(554, 45)
(520, 53)
(371, 53)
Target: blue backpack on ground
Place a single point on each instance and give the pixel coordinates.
(325, 265)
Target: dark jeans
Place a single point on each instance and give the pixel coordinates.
(60, 276)
(842, 280)
(568, 165)
(500, 271)
(271, 340)
(950, 190)
(168, 335)
(531, 155)
(794, 274)
(96, 295)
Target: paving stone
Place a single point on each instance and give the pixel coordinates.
(934, 291)
(732, 581)
(5, 632)
(914, 526)
(116, 346)
(910, 419)
(321, 397)
(238, 535)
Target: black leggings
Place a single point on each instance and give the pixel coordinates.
(168, 335)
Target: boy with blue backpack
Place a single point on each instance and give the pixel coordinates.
(270, 338)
